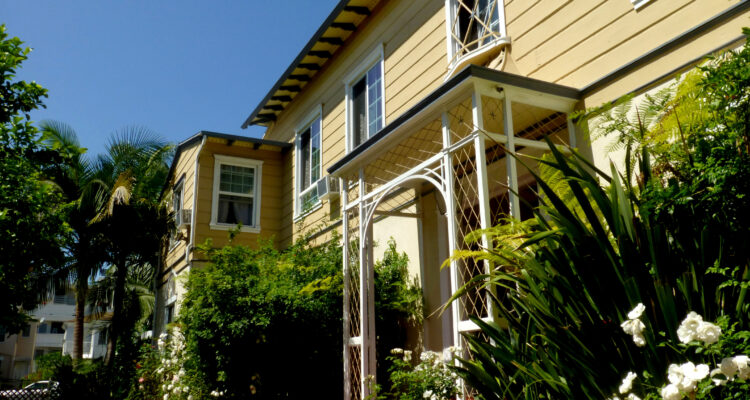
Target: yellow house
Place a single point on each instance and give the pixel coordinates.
(395, 121)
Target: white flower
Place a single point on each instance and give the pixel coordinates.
(407, 355)
(671, 392)
(631, 396)
(627, 382)
(397, 351)
(633, 326)
(708, 332)
(166, 396)
(728, 367)
(639, 340)
(190, 397)
(427, 394)
(718, 381)
(637, 311)
(743, 371)
(688, 329)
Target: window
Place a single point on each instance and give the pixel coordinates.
(102, 337)
(168, 314)
(473, 24)
(236, 197)
(26, 331)
(56, 327)
(42, 328)
(308, 163)
(365, 100)
(177, 193)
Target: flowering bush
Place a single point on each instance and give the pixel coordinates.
(698, 340)
(431, 378)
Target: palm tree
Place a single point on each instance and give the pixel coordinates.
(75, 176)
(136, 222)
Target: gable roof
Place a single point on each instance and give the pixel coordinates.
(327, 40)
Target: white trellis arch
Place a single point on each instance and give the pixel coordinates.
(457, 140)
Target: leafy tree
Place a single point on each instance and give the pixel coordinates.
(32, 221)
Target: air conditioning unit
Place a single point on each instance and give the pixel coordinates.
(182, 218)
(328, 187)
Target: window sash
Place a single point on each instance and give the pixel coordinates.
(309, 165)
(366, 98)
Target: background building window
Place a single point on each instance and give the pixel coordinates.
(26, 331)
(42, 328)
(56, 327)
(236, 193)
(308, 146)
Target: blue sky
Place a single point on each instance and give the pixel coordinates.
(176, 67)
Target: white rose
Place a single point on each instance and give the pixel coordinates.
(427, 394)
(708, 332)
(627, 382)
(743, 371)
(633, 326)
(674, 374)
(631, 396)
(689, 327)
(639, 340)
(637, 311)
(671, 392)
(718, 381)
(728, 367)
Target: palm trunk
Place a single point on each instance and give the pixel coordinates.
(118, 300)
(80, 314)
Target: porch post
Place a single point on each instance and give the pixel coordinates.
(485, 218)
(366, 293)
(515, 208)
(450, 211)
(347, 281)
(572, 142)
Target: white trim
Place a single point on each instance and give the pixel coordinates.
(375, 56)
(316, 114)
(220, 159)
(195, 205)
(637, 4)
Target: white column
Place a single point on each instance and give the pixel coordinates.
(347, 281)
(515, 210)
(572, 142)
(366, 293)
(485, 218)
(450, 211)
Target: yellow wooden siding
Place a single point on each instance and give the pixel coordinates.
(270, 192)
(184, 169)
(414, 46)
(577, 42)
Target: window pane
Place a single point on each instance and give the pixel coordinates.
(309, 199)
(359, 112)
(315, 151)
(305, 158)
(374, 100)
(235, 209)
(237, 179)
(42, 328)
(177, 199)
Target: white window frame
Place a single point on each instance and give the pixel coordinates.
(374, 57)
(181, 186)
(220, 160)
(451, 8)
(315, 115)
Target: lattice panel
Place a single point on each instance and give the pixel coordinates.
(461, 123)
(466, 198)
(355, 373)
(410, 152)
(354, 274)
